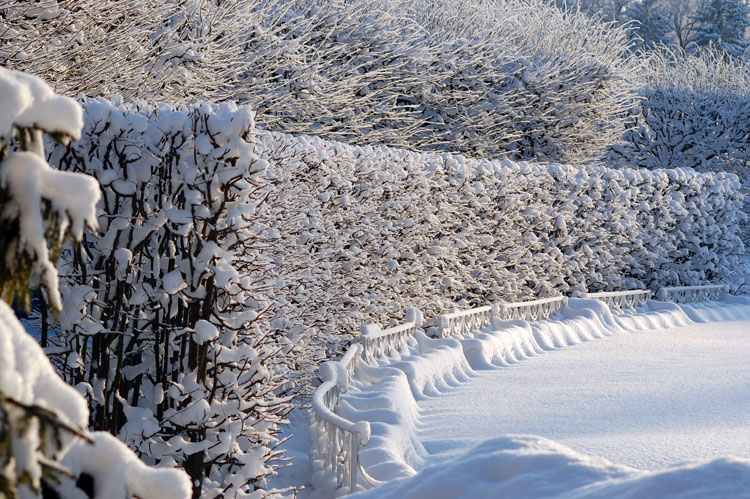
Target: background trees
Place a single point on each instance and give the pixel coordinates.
(506, 78)
(651, 26)
(721, 24)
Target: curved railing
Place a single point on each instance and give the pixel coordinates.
(531, 311)
(338, 441)
(463, 322)
(691, 294)
(622, 300)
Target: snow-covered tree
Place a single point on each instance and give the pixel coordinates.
(162, 328)
(651, 26)
(721, 24)
(513, 78)
(43, 435)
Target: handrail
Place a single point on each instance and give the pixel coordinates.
(532, 310)
(338, 441)
(622, 300)
(379, 342)
(463, 322)
(691, 294)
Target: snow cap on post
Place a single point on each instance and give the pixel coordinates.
(414, 315)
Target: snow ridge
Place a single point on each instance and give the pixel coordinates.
(387, 394)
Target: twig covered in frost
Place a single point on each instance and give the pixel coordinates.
(505, 78)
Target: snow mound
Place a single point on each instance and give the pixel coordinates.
(118, 469)
(389, 396)
(535, 467)
(27, 376)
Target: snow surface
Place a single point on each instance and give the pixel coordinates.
(621, 409)
(27, 376)
(646, 400)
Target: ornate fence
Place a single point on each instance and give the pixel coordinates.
(463, 322)
(533, 310)
(622, 300)
(691, 294)
(379, 342)
(337, 441)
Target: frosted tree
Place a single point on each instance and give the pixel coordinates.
(650, 24)
(607, 10)
(501, 78)
(721, 24)
(177, 50)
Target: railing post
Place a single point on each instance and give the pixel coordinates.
(353, 461)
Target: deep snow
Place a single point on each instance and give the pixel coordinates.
(647, 400)
(675, 392)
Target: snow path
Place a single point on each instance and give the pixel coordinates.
(645, 399)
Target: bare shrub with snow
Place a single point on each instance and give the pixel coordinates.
(161, 330)
(506, 78)
(43, 421)
(693, 114)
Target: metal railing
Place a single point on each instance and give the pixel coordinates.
(691, 294)
(463, 322)
(338, 440)
(531, 311)
(622, 300)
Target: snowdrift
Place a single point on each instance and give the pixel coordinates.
(525, 466)
(387, 396)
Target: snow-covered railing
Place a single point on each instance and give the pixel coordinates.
(463, 322)
(690, 294)
(337, 440)
(379, 342)
(622, 300)
(532, 311)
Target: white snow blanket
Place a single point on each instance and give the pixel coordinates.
(619, 418)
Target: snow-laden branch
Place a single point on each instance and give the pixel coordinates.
(40, 205)
(506, 78)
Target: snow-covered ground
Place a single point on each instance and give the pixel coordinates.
(541, 410)
(647, 400)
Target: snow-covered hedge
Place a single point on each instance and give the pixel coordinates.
(160, 326)
(362, 233)
(43, 436)
(693, 113)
